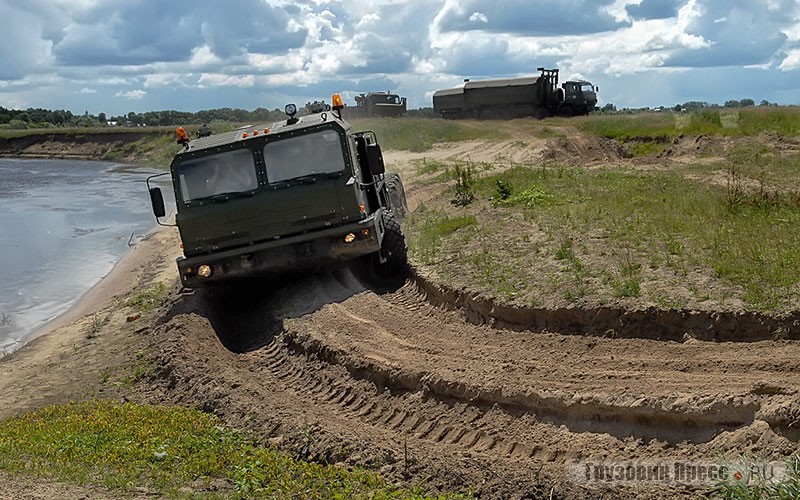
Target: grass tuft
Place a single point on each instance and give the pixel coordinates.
(427, 228)
(755, 479)
(149, 298)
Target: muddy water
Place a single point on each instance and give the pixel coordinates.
(63, 225)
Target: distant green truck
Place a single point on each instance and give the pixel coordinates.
(386, 104)
(537, 96)
(284, 197)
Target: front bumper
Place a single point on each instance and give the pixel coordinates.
(284, 255)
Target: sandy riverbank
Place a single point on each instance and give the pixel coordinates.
(68, 356)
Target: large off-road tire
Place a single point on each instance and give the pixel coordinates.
(393, 252)
(397, 196)
(541, 113)
(566, 111)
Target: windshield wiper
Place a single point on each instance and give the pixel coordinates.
(227, 196)
(312, 178)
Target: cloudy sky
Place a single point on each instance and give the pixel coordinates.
(117, 56)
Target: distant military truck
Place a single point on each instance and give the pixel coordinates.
(378, 104)
(537, 96)
(313, 107)
(284, 197)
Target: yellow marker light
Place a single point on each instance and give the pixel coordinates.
(266, 131)
(362, 208)
(255, 132)
(350, 237)
(204, 271)
(244, 135)
(365, 232)
(337, 101)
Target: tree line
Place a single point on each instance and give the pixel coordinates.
(45, 118)
(610, 108)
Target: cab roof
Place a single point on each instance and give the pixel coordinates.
(250, 131)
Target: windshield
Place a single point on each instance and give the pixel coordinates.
(386, 99)
(317, 153)
(228, 172)
(587, 87)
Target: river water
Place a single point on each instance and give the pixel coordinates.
(63, 226)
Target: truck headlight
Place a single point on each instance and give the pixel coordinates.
(204, 271)
(349, 238)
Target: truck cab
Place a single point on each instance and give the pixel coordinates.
(580, 97)
(283, 197)
(379, 104)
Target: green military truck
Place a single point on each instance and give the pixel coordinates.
(284, 197)
(378, 104)
(537, 96)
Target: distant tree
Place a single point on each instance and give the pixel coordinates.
(733, 104)
(422, 113)
(134, 119)
(692, 105)
(746, 103)
(36, 115)
(5, 115)
(101, 117)
(764, 103)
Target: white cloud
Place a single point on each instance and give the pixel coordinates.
(619, 11)
(478, 17)
(132, 95)
(115, 80)
(165, 80)
(223, 80)
(368, 20)
(285, 48)
(203, 56)
(792, 60)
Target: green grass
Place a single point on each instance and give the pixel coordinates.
(420, 134)
(755, 247)
(751, 479)
(627, 127)
(645, 147)
(784, 121)
(644, 225)
(429, 227)
(665, 126)
(124, 446)
(149, 298)
(82, 131)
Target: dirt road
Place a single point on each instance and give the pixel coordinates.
(411, 385)
(387, 380)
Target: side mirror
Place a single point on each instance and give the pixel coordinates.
(375, 159)
(157, 200)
